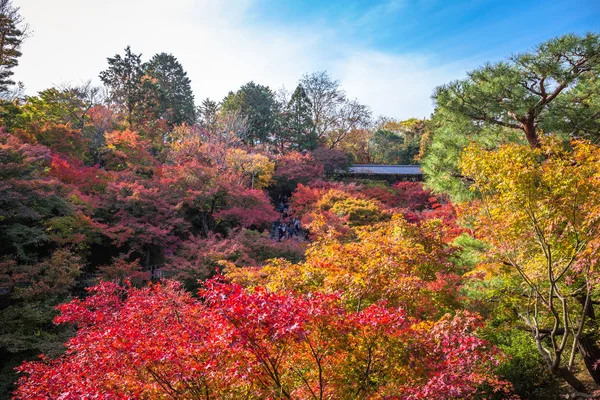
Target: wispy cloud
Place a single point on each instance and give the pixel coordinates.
(379, 11)
(395, 85)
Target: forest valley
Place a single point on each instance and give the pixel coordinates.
(137, 259)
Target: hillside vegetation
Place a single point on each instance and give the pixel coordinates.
(154, 248)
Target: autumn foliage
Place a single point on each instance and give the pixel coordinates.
(404, 264)
(160, 341)
(539, 210)
(151, 248)
(371, 308)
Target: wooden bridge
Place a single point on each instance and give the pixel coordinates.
(390, 173)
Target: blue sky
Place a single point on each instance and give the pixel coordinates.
(453, 30)
(389, 54)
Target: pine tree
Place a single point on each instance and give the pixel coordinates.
(553, 88)
(12, 34)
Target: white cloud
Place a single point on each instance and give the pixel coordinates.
(394, 85)
(220, 47)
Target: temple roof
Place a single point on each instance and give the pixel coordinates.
(374, 169)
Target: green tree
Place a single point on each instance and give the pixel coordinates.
(176, 97)
(554, 88)
(397, 142)
(386, 147)
(577, 112)
(208, 114)
(66, 105)
(298, 130)
(130, 88)
(12, 34)
(69, 106)
(517, 94)
(257, 103)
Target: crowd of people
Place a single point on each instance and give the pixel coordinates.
(287, 226)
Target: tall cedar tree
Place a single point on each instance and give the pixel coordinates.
(299, 127)
(176, 98)
(207, 113)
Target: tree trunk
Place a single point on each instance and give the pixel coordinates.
(531, 133)
(146, 265)
(204, 223)
(588, 343)
(571, 379)
(590, 352)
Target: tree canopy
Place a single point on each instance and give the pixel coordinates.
(257, 103)
(175, 93)
(517, 100)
